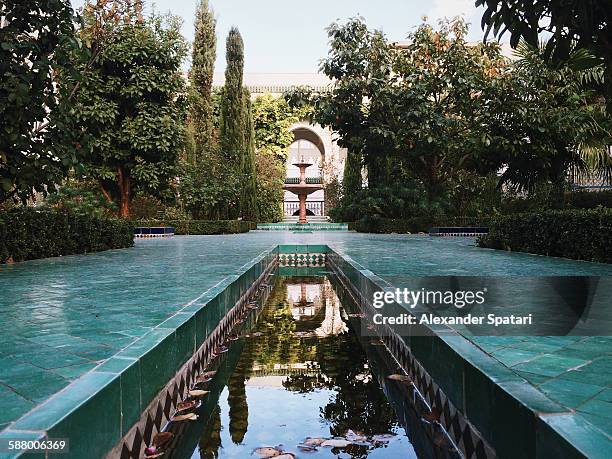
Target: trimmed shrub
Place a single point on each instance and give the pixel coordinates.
(29, 233)
(589, 199)
(577, 234)
(200, 227)
(412, 225)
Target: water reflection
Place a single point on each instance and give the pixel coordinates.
(301, 373)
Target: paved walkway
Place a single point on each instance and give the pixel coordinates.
(61, 317)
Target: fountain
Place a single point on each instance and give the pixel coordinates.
(303, 189)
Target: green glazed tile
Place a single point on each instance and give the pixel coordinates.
(598, 408)
(131, 402)
(569, 393)
(13, 405)
(570, 436)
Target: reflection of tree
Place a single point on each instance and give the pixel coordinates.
(305, 383)
(278, 344)
(336, 363)
(238, 407)
(210, 441)
(359, 403)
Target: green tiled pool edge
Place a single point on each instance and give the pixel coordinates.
(98, 409)
(516, 418)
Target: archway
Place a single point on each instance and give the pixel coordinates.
(308, 145)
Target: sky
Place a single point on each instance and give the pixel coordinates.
(288, 36)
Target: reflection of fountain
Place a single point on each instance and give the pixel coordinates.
(301, 307)
(306, 303)
(333, 323)
(302, 189)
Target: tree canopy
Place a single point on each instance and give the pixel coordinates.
(439, 117)
(566, 25)
(36, 38)
(131, 102)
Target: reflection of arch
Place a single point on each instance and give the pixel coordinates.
(301, 132)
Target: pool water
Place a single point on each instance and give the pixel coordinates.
(303, 373)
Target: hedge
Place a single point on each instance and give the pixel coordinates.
(193, 227)
(577, 234)
(29, 233)
(412, 225)
(589, 199)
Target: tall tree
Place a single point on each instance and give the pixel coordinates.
(201, 76)
(131, 102)
(232, 105)
(248, 200)
(360, 62)
(36, 38)
(418, 107)
(236, 127)
(352, 179)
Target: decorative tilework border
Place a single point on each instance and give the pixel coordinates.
(159, 411)
(301, 260)
(147, 236)
(465, 436)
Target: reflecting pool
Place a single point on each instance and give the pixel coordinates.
(303, 382)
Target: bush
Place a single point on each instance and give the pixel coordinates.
(28, 233)
(577, 234)
(199, 227)
(146, 207)
(413, 224)
(80, 197)
(589, 199)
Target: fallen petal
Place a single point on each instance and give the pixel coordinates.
(355, 437)
(313, 441)
(267, 451)
(188, 405)
(383, 438)
(185, 417)
(336, 443)
(433, 416)
(400, 378)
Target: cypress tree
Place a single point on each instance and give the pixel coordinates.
(232, 106)
(232, 114)
(249, 189)
(352, 180)
(201, 77)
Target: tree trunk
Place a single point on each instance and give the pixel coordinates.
(124, 192)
